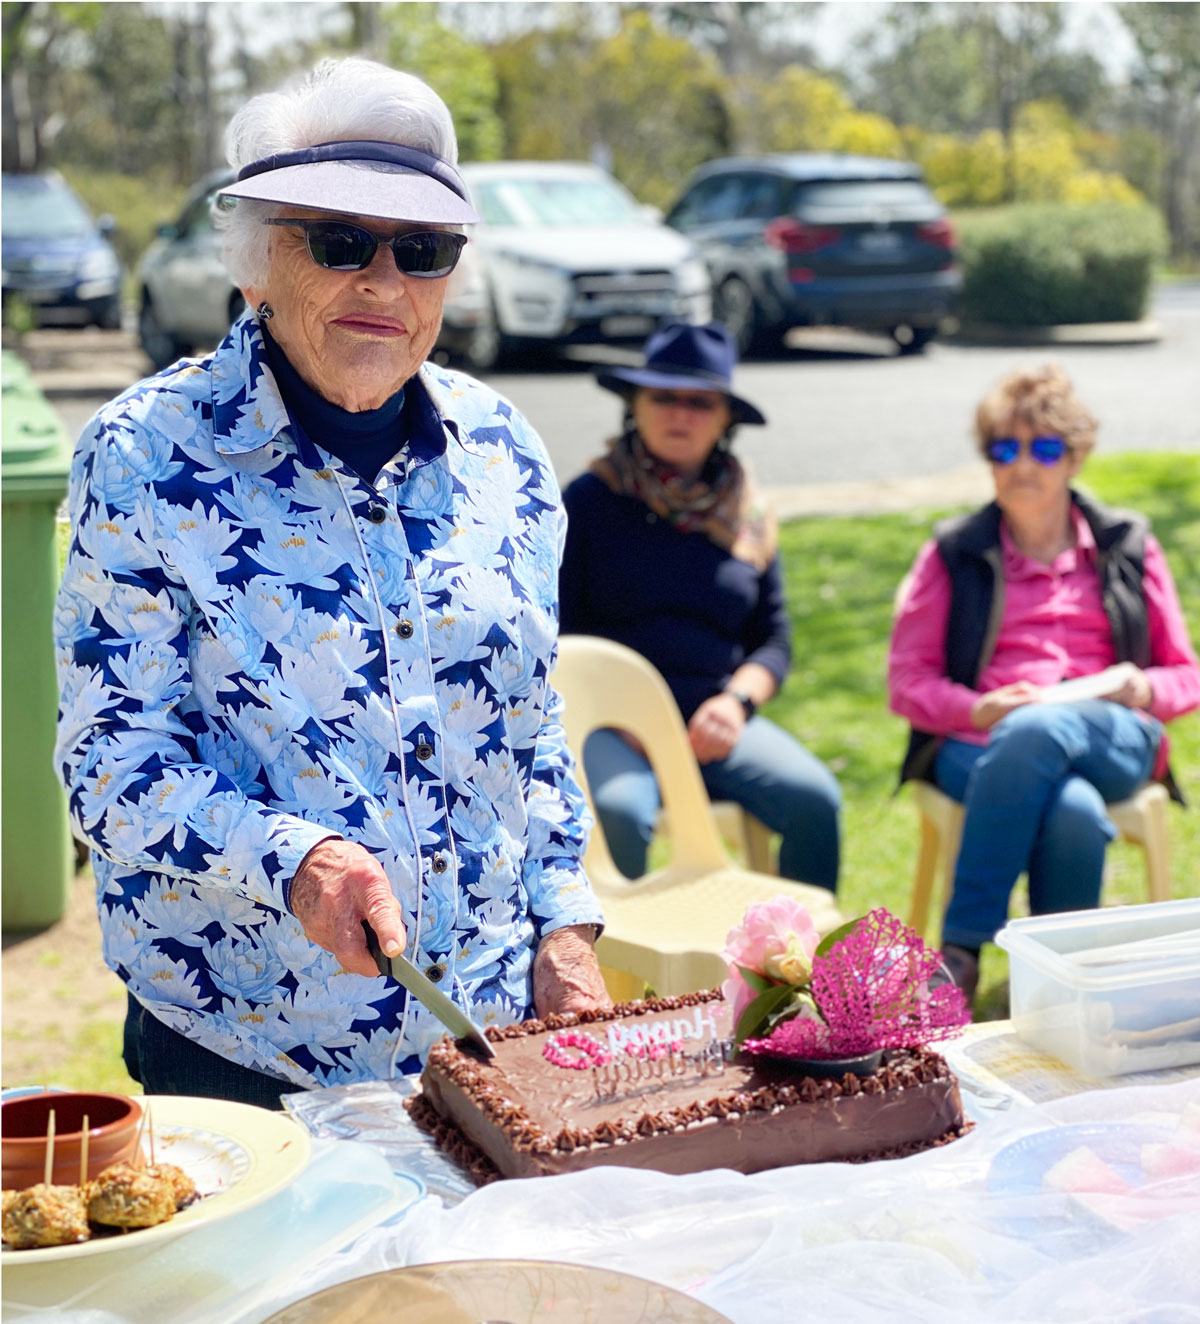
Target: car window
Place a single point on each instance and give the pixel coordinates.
(854, 193)
(547, 200)
(728, 197)
(196, 221)
(762, 197)
(43, 210)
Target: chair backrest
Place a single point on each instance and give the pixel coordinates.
(605, 684)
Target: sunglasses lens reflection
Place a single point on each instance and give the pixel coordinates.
(1004, 450)
(430, 253)
(1048, 450)
(341, 247)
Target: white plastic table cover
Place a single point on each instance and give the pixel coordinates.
(967, 1232)
(970, 1231)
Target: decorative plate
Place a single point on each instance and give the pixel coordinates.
(237, 1155)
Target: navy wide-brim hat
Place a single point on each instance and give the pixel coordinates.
(680, 355)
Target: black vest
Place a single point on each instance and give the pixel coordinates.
(969, 546)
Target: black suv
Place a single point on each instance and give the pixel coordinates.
(814, 239)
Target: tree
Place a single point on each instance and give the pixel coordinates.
(799, 110)
(963, 69)
(38, 41)
(639, 100)
(1168, 77)
(461, 73)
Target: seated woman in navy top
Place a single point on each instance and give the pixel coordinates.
(671, 551)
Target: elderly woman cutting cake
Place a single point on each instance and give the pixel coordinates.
(304, 633)
(1043, 585)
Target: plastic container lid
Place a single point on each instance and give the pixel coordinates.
(35, 452)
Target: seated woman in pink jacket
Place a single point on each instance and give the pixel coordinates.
(1042, 585)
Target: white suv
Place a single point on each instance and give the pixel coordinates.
(564, 254)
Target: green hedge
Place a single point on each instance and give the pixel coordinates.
(1042, 264)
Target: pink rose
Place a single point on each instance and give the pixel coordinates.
(776, 939)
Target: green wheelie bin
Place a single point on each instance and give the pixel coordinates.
(38, 854)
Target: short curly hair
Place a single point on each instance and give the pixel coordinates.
(1043, 399)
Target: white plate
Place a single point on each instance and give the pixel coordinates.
(237, 1155)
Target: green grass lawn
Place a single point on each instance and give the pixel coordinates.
(841, 578)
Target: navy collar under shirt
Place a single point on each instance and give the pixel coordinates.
(365, 440)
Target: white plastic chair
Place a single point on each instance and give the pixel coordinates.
(667, 928)
(1142, 819)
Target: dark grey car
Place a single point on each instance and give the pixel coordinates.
(821, 239)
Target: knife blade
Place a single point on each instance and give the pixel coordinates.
(427, 993)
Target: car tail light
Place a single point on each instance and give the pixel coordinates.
(940, 233)
(792, 236)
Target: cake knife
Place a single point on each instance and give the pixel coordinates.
(427, 993)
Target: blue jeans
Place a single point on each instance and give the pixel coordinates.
(1034, 798)
(163, 1061)
(768, 772)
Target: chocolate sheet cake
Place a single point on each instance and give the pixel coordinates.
(648, 1085)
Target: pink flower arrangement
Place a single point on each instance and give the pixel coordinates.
(869, 985)
(776, 942)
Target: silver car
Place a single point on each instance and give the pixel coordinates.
(186, 300)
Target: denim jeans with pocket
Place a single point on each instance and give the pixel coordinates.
(768, 772)
(1035, 799)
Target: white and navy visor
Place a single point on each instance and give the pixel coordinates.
(360, 178)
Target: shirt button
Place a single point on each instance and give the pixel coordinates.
(405, 629)
(439, 864)
(376, 514)
(424, 750)
(434, 973)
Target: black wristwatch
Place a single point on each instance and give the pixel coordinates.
(749, 707)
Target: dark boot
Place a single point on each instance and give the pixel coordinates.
(963, 965)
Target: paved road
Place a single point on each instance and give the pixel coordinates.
(844, 409)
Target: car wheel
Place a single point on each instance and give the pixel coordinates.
(109, 317)
(734, 305)
(912, 339)
(487, 346)
(158, 344)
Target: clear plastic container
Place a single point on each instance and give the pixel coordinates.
(1109, 991)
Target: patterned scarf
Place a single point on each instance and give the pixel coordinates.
(723, 503)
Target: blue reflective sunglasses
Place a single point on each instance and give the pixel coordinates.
(1045, 450)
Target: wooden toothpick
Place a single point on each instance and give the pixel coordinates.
(137, 1143)
(83, 1154)
(150, 1131)
(50, 1148)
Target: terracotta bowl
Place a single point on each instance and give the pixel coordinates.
(113, 1121)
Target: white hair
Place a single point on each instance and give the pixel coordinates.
(336, 101)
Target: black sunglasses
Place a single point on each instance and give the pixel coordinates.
(1045, 450)
(340, 246)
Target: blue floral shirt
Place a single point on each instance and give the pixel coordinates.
(258, 650)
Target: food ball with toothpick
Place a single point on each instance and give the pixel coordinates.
(125, 1196)
(44, 1215)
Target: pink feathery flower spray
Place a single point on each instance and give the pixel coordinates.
(875, 988)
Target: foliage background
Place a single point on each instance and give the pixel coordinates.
(990, 98)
